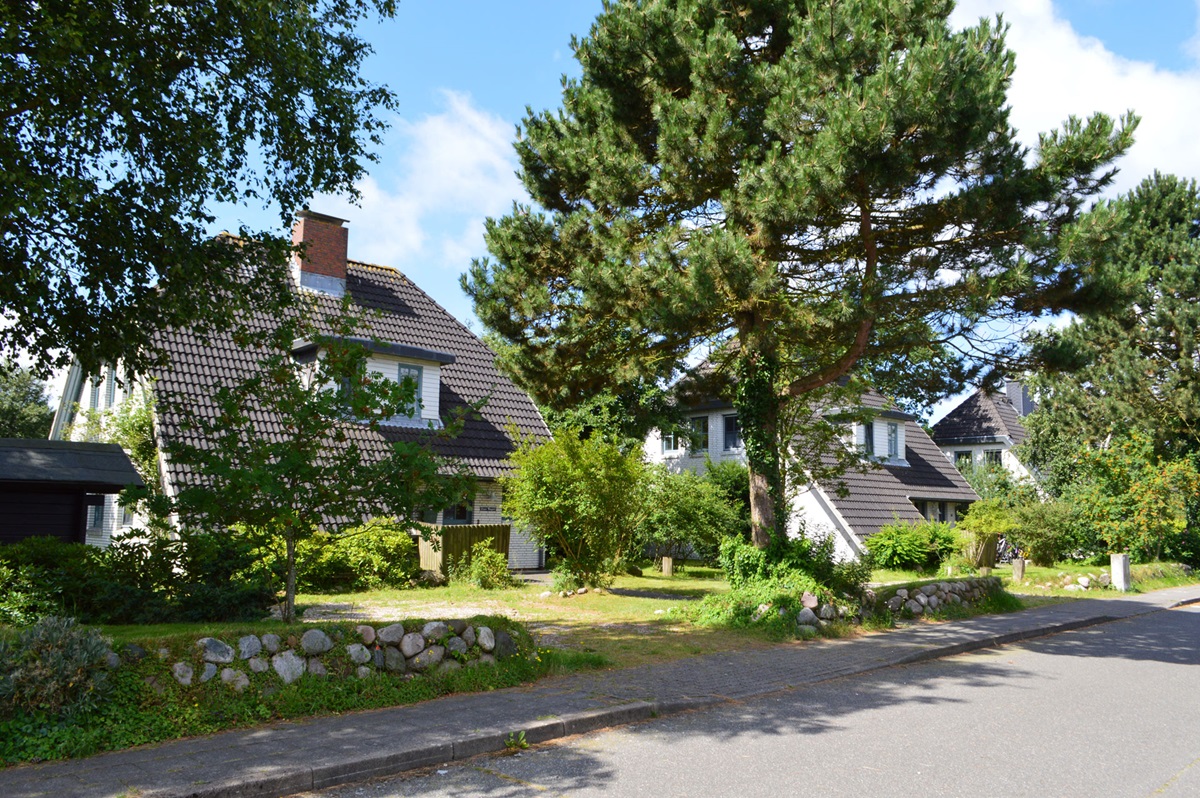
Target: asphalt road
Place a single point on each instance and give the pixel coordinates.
(1113, 710)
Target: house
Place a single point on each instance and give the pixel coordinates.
(413, 337)
(985, 428)
(913, 481)
(59, 488)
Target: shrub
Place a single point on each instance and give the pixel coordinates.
(483, 567)
(562, 579)
(24, 596)
(732, 479)
(986, 520)
(1045, 532)
(378, 554)
(684, 516)
(921, 546)
(53, 667)
(801, 560)
(582, 499)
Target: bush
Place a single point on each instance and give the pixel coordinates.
(684, 516)
(483, 567)
(24, 596)
(732, 479)
(378, 554)
(53, 667)
(581, 499)
(1045, 532)
(986, 520)
(920, 546)
(801, 560)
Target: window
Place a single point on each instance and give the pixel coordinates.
(869, 438)
(699, 442)
(96, 380)
(992, 457)
(672, 442)
(733, 433)
(922, 508)
(893, 438)
(963, 460)
(95, 518)
(111, 393)
(126, 517)
(404, 372)
(942, 514)
(458, 514)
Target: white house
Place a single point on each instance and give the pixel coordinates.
(913, 480)
(985, 428)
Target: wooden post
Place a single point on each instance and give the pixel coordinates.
(1018, 570)
(668, 566)
(1120, 572)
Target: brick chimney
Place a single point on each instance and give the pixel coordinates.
(323, 267)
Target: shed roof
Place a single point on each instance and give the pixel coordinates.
(95, 467)
(984, 417)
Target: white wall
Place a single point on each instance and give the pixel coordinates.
(686, 460)
(821, 517)
(979, 457)
(431, 378)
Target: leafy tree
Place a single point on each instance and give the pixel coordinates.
(130, 425)
(624, 417)
(1135, 369)
(581, 498)
(685, 515)
(123, 123)
(322, 464)
(24, 405)
(809, 188)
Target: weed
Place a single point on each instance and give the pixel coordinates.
(515, 741)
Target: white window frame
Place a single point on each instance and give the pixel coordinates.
(893, 440)
(404, 370)
(869, 438)
(727, 444)
(695, 423)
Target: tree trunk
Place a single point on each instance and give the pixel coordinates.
(762, 509)
(289, 593)
(758, 404)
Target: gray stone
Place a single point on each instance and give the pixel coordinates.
(954, 598)
(505, 646)
(316, 667)
(915, 607)
(258, 664)
(112, 660)
(358, 653)
(929, 590)
(314, 641)
(213, 650)
(210, 670)
(457, 625)
(448, 666)
(183, 673)
(163, 653)
(485, 638)
(581, 591)
(367, 633)
(1105, 580)
(249, 646)
(921, 599)
(902, 592)
(895, 603)
(1075, 588)
(270, 642)
(805, 632)
(826, 612)
(809, 600)
(934, 602)
(378, 658)
(412, 644)
(363, 672)
(469, 635)
(806, 617)
(288, 665)
(1085, 582)
(427, 658)
(153, 683)
(486, 659)
(133, 652)
(393, 660)
(236, 680)
(944, 587)
(435, 630)
(390, 635)
(545, 594)
(457, 645)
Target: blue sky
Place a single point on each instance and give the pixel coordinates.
(464, 71)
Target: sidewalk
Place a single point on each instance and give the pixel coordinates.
(292, 757)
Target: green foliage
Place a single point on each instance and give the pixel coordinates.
(314, 467)
(124, 123)
(624, 416)
(732, 479)
(740, 607)
(920, 546)
(795, 561)
(25, 411)
(582, 499)
(562, 579)
(484, 568)
(52, 668)
(1048, 532)
(130, 425)
(24, 597)
(684, 515)
(378, 554)
(986, 520)
(760, 174)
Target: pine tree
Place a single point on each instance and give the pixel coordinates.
(813, 187)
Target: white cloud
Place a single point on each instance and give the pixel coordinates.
(1060, 73)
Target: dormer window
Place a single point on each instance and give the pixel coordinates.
(406, 371)
(893, 441)
(869, 438)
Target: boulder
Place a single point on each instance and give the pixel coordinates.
(934, 602)
(913, 606)
(457, 645)
(827, 612)
(427, 658)
(270, 642)
(921, 599)
(902, 593)
(1084, 582)
(505, 645)
(111, 660)
(435, 630)
(314, 642)
(367, 633)
(316, 667)
(895, 603)
(412, 644)
(486, 659)
(1105, 580)
(183, 673)
(1075, 588)
(457, 625)
(358, 653)
(377, 658)
(469, 635)
(485, 638)
(213, 650)
(393, 660)
(390, 635)
(806, 617)
(809, 600)
(236, 680)
(258, 664)
(288, 665)
(545, 594)
(133, 652)
(249, 646)
(363, 672)
(210, 670)
(929, 590)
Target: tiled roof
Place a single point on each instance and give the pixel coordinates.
(879, 496)
(99, 467)
(406, 315)
(985, 417)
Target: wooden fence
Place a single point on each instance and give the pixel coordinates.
(454, 541)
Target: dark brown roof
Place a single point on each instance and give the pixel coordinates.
(95, 467)
(985, 417)
(879, 496)
(406, 316)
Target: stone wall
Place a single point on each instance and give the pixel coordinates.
(928, 598)
(413, 650)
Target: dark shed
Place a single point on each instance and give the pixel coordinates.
(47, 486)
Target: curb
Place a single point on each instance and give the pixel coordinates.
(393, 763)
